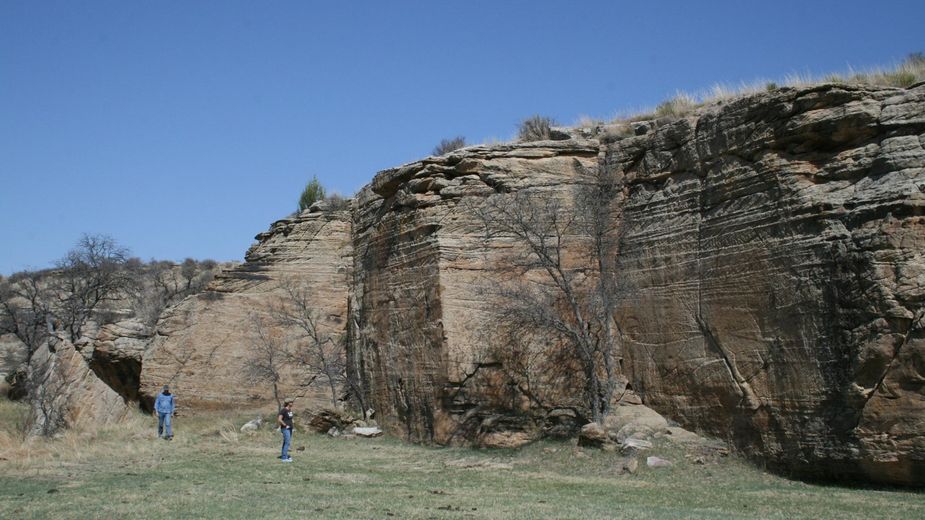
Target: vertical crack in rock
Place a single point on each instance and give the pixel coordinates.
(744, 389)
(915, 324)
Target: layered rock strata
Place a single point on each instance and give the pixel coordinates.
(417, 315)
(204, 345)
(776, 254)
(69, 393)
(772, 281)
(772, 278)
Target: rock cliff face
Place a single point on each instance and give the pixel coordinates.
(70, 393)
(773, 258)
(772, 281)
(775, 253)
(417, 313)
(203, 345)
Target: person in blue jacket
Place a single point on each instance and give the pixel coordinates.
(165, 407)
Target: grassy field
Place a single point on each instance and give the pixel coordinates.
(211, 471)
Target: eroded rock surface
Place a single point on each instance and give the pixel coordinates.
(69, 393)
(117, 353)
(417, 315)
(774, 275)
(772, 268)
(203, 345)
(776, 254)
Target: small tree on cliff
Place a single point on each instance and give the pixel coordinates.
(312, 193)
(563, 290)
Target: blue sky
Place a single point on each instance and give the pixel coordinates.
(185, 128)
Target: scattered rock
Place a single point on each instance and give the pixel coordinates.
(593, 435)
(367, 432)
(252, 426)
(637, 421)
(657, 462)
(637, 444)
(630, 465)
(505, 439)
(323, 420)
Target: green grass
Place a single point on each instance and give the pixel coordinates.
(210, 471)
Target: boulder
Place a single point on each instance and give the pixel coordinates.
(594, 435)
(658, 462)
(71, 395)
(323, 420)
(367, 432)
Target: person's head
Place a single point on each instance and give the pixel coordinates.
(166, 389)
(287, 403)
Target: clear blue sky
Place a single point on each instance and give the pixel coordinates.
(185, 128)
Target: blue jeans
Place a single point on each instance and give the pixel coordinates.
(163, 420)
(287, 440)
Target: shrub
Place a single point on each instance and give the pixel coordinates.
(448, 145)
(312, 193)
(536, 128)
(337, 202)
(678, 106)
(900, 78)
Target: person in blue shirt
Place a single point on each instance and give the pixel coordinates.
(165, 407)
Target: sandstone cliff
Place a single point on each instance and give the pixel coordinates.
(772, 266)
(776, 248)
(203, 345)
(773, 259)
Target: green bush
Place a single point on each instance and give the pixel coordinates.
(536, 128)
(448, 145)
(312, 193)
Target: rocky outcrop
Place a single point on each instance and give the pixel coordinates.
(203, 345)
(775, 250)
(772, 267)
(116, 356)
(420, 259)
(12, 354)
(772, 281)
(67, 392)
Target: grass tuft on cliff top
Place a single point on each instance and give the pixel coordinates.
(909, 72)
(211, 470)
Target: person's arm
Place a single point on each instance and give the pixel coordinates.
(279, 421)
(173, 405)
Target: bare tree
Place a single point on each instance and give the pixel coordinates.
(293, 339)
(317, 355)
(564, 283)
(269, 357)
(48, 385)
(91, 274)
(25, 308)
